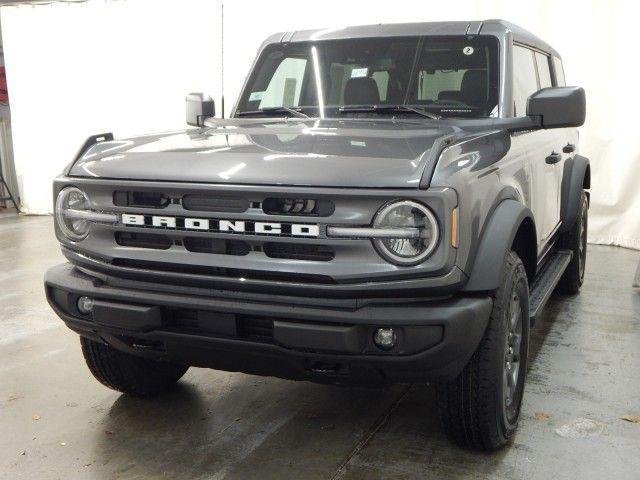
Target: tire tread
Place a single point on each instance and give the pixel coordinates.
(135, 376)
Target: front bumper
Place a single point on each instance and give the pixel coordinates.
(270, 336)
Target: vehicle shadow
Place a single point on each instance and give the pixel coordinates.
(217, 424)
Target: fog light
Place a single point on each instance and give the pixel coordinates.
(385, 338)
(85, 305)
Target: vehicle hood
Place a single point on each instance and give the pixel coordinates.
(335, 153)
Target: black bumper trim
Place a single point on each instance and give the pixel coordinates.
(460, 322)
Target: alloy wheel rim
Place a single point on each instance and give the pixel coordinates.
(513, 360)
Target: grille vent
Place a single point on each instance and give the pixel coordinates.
(140, 199)
(143, 240)
(214, 245)
(296, 251)
(298, 206)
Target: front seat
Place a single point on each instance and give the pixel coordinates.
(361, 91)
(473, 90)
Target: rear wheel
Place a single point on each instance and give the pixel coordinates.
(480, 408)
(135, 376)
(576, 241)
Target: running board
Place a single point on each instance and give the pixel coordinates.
(546, 281)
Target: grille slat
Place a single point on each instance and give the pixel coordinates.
(299, 251)
(143, 240)
(206, 203)
(219, 246)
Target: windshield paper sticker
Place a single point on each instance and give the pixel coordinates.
(359, 72)
(467, 50)
(256, 96)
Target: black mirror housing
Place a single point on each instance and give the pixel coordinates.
(199, 107)
(558, 107)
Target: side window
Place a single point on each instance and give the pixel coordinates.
(557, 66)
(544, 74)
(525, 82)
(285, 85)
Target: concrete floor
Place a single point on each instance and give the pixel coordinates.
(57, 422)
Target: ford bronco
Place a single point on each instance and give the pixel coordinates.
(387, 203)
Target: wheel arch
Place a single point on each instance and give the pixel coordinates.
(511, 226)
(576, 178)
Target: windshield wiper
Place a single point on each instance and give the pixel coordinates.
(389, 109)
(267, 110)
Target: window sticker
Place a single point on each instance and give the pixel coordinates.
(468, 50)
(359, 72)
(256, 96)
(358, 143)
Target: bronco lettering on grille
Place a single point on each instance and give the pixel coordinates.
(226, 226)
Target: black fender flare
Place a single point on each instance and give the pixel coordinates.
(576, 172)
(496, 241)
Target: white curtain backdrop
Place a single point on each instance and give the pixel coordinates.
(74, 70)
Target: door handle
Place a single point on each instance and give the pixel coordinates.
(569, 148)
(553, 158)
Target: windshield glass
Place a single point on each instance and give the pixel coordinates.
(447, 76)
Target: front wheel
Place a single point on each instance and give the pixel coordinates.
(480, 408)
(135, 376)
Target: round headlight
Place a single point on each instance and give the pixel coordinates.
(407, 214)
(70, 201)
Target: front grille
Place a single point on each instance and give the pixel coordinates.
(299, 251)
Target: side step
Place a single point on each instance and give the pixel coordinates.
(546, 281)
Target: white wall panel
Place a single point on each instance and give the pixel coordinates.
(79, 69)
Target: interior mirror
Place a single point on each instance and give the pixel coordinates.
(558, 107)
(199, 107)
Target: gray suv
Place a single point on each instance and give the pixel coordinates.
(388, 203)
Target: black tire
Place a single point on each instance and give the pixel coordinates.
(473, 407)
(576, 241)
(129, 374)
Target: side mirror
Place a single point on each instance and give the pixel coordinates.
(199, 107)
(558, 107)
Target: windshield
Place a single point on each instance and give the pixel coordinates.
(446, 76)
